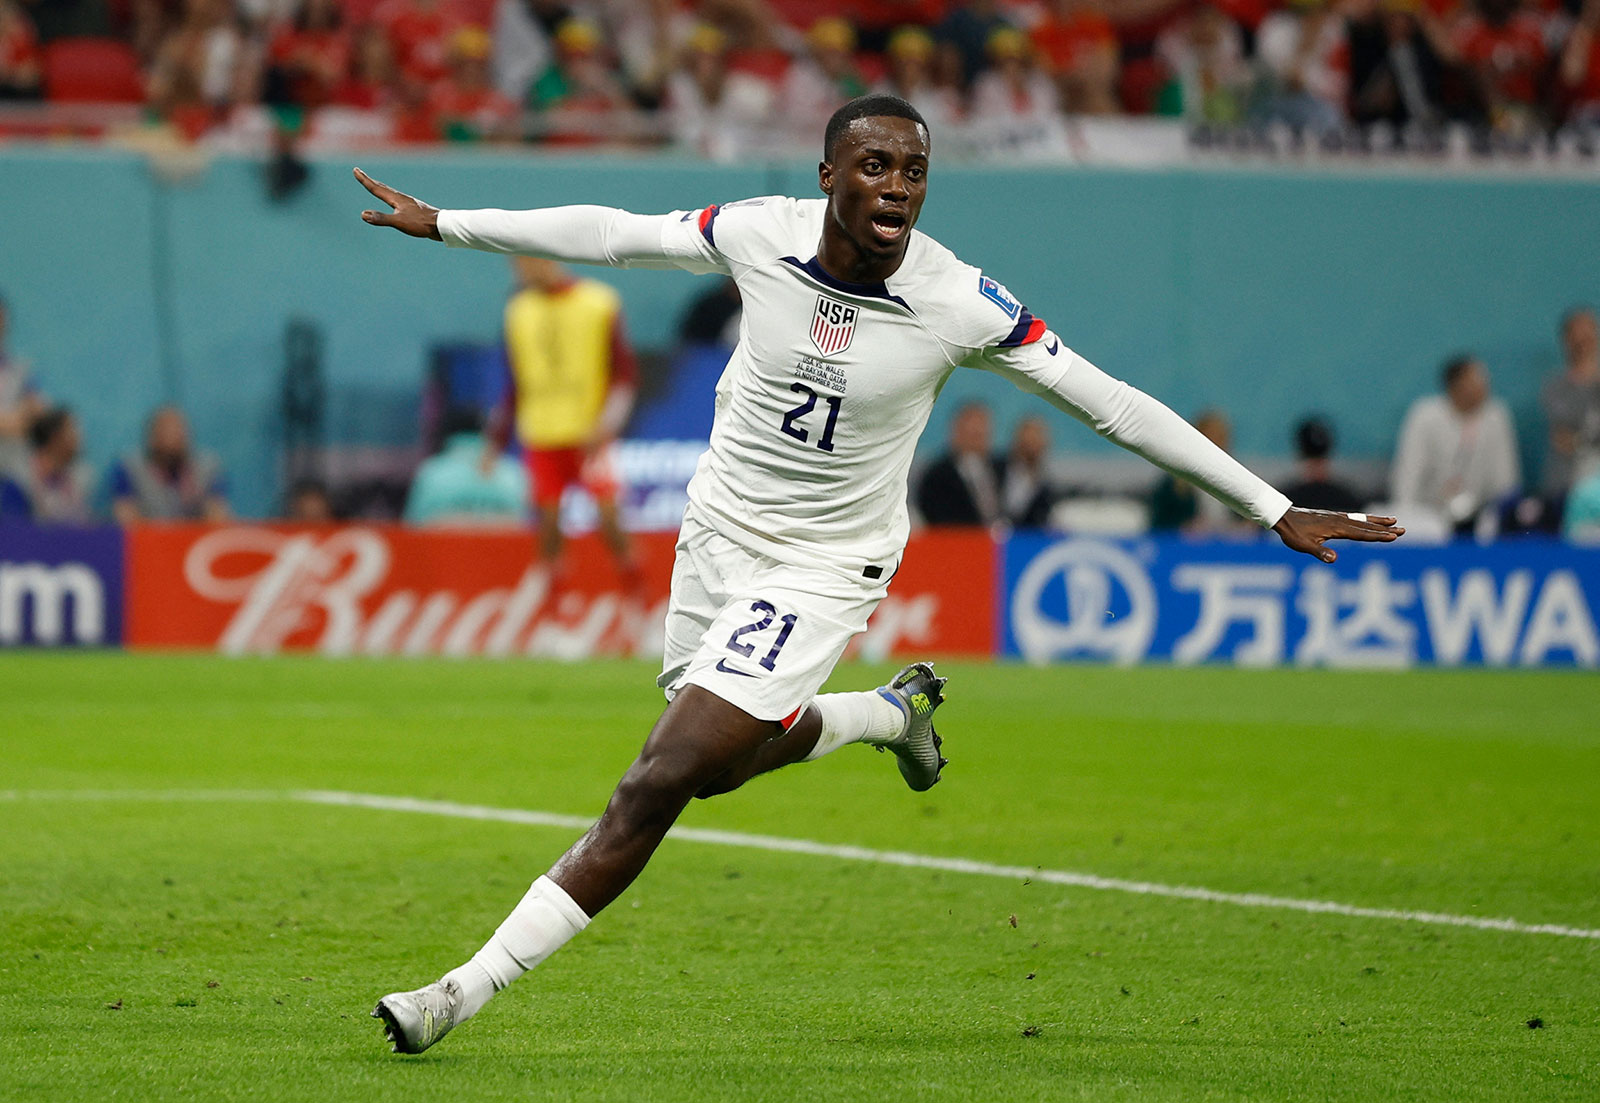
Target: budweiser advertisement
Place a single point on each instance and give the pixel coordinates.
(384, 590)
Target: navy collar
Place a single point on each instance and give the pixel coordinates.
(879, 290)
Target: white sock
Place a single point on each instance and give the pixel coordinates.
(867, 716)
(537, 927)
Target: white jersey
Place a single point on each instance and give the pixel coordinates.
(819, 409)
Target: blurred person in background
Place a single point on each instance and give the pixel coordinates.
(1210, 78)
(1397, 63)
(1316, 488)
(1571, 405)
(309, 503)
(578, 85)
(200, 66)
(1078, 45)
(467, 482)
(713, 316)
(1175, 504)
(1457, 451)
(911, 77)
(1580, 66)
(825, 77)
(169, 480)
(966, 32)
(962, 487)
(420, 31)
(20, 402)
(1013, 89)
(709, 108)
(1580, 523)
(20, 71)
(1502, 45)
(55, 485)
(369, 85)
(1304, 55)
(1026, 492)
(466, 106)
(574, 377)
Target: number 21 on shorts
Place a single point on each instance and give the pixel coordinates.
(768, 613)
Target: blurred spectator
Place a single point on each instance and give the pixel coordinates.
(1078, 45)
(466, 107)
(1026, 495)
(710, 109)
(1210, 79)
(370, 82)
(420, 31)
(168, 480)
(713, 317)
(1580, 65)
(574, 377)
(55, 485)
(1503, 47)
(309, 503)
(457, 486)
(962, 487)
(1316, 488)
(53, 19)
(911, 77)
(1176, 505)
(307, 59)
(20, 403)
(1397, 64)
(826, 77)
(578, 83)
(198, 69)
(1571, 404)
(19, 54)
(968, 30)
(1305, 60)
(1013, 89)
(1457, 451)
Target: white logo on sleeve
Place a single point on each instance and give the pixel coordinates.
(833, 325)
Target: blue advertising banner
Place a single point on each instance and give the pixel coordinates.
(1522, 603)
(60, 587)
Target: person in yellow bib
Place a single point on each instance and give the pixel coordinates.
(573, 377)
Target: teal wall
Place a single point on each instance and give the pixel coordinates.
(1266, 293)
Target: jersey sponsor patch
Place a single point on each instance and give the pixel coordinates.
(991, 290)
(833, 325)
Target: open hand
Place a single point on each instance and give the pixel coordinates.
(1305, 530)
(411, 215)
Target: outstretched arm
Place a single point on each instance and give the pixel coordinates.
(1141, 424)
(580, 234)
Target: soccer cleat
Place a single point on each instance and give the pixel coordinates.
(413, 1021)
(916, 691)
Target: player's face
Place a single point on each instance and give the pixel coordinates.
(876, 183)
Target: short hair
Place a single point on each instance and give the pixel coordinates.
(1456, 367)
(871, 106)
(45, 428)
(1313, 438)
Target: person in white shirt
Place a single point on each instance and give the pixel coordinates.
(1458, 450)
(797, 519)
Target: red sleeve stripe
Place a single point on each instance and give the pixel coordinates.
(1028, 330)
(707, 217)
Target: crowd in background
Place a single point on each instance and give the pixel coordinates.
(1455, 471)
(719, 76)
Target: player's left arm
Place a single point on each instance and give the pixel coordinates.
(1147, 427)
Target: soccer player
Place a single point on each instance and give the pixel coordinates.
(797, 515)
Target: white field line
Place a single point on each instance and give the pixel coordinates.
(806, 846)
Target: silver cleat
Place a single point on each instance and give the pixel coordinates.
(917, 691)
(413, 1021)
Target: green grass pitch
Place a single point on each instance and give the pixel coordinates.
(231, 948)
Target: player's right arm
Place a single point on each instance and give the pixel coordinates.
(579, 234)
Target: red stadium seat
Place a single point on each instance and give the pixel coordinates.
(92, 70)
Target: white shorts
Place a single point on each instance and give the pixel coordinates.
(760, 634)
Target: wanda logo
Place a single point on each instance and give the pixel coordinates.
(336, 592)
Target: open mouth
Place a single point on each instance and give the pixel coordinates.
(889, 224)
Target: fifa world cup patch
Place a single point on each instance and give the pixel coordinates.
(991, 290)
(833, 325)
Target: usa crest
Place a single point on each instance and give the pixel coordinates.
(833, 325)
